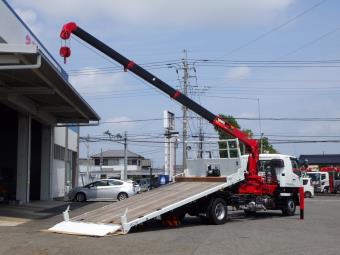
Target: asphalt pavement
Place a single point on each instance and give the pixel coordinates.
(265, 233)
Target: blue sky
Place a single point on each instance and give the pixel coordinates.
(155, 30)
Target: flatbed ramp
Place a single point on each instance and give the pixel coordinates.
(119, 217)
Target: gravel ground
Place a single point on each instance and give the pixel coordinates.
(265, 233)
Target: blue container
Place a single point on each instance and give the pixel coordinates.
(163, 179)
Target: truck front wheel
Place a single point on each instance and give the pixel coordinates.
(289, 207)
(217, 211)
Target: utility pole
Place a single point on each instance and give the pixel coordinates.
(124, 173)
(185, 109)
(88, 159)
(260, 125)
(201, 139)
(101, 160)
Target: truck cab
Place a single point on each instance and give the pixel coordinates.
(320, 181)
(284, 168)
(308, 187)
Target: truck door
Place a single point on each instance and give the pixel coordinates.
(324, 182)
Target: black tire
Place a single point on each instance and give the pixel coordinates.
(80, 197)
(122, 196)
(217, 211)
(308, 194)
(289, 207)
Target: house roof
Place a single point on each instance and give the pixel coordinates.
(321, 159)
(116, 154)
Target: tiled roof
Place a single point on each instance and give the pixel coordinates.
(116, 154)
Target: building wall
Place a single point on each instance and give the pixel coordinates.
(60, 185)
(89, 170)
(60, 134)
(58, 179)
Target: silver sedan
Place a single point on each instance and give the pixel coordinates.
(105, 189)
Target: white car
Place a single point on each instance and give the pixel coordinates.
(308, 187)
(102, 190)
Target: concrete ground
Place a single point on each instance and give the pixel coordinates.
(266, 233)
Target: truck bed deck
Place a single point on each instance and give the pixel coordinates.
(143, 204)
(121, 216)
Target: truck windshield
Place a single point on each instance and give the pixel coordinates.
(295, 166)
(305, 182)
(314, 176)
(266, 171)
(337, 176)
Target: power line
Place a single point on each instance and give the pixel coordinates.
(277, 27)
(310, 43)
(221, 63)
(143, 141)
(237, 118)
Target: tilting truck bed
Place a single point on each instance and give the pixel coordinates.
(119, 217)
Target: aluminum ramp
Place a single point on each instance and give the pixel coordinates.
(119, 217)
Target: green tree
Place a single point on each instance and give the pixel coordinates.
(266, 146)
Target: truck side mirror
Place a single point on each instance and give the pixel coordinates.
(277, 163)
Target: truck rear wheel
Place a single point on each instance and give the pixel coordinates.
(217, 211)
(289, 207)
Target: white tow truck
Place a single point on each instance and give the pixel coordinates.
(195, 194)
(208, 186)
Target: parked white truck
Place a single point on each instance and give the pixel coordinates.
(308, 187)
(320, 181)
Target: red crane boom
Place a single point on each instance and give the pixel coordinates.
(253, 183)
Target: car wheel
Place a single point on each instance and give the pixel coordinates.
(122, 196)
(217, 211)
(80, 197)
(308, 194)
(289, 208)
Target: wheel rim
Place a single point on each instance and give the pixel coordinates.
(122, 197)
(220, 211)
(291, 205)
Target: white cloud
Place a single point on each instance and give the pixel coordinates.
(157, 13)
(238, 73)
(93, 83)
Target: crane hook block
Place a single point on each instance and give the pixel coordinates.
(67, 30)
(65, 52)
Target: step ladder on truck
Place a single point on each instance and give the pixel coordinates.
(250, 183)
